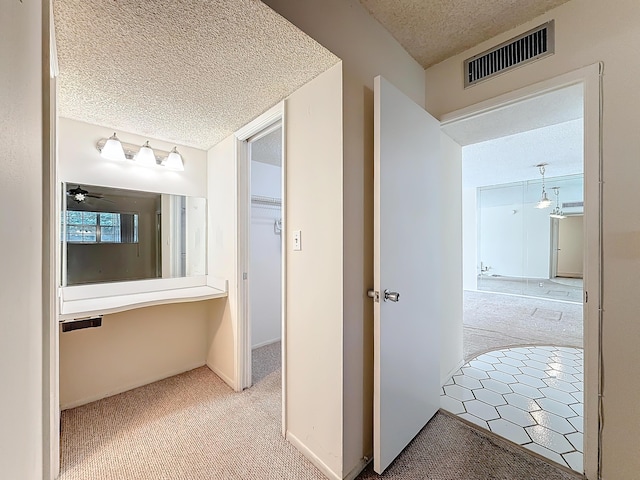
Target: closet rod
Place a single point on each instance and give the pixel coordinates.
(262, 200)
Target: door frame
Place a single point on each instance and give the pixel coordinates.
(260, 125)
(591, 79)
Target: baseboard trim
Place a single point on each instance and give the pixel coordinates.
(225, 378)
(130, 386)
(264, 344)
(312, 457)
(451, 372)
(357, 470)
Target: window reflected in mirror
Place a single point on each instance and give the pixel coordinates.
(114, 235)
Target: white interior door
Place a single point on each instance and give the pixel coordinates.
(407, 261)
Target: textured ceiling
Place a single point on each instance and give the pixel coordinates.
(268, 149)
(514, 158)
(433, 30)
(551, 108)
(185, 71)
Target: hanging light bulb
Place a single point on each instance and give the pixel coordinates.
(174, 160)
(556, 212)
(544, 201)
(145, 155)
(112, 149)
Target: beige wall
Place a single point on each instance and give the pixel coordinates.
(570, 246)
(314, 298)
(450, 230)
(131, 349)
(21, 312)
(222, 259)
(589, 31)
(367, 50)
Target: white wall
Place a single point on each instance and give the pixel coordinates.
(21, 308)
(470, 260)
(515, 244)
(81, 162)
(589, 31)
(265, 258)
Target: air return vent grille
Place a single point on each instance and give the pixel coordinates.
(525, 48)
(572, 204)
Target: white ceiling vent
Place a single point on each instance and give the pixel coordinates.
(532, 45)
(572, 204)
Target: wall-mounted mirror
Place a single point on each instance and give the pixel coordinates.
(115, 235)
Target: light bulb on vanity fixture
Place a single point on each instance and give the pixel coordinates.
(174, 160)
(145, 155)
(544, 201)
(112, 149)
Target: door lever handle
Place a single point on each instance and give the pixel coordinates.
(391, 296)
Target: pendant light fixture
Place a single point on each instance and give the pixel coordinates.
(556, 212)
(544, 201)
(145, 155)
(112, 149)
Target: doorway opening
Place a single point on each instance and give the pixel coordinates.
(265, 251)
(525, 373)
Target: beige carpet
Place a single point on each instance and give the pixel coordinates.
(192, 426)
(492, 321)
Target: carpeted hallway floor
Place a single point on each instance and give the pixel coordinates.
(193, 426)
(493, 321)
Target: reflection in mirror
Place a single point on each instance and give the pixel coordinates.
(520, 246)
(114, 235)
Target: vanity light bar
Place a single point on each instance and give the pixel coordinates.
(161, 156)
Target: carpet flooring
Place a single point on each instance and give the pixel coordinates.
(493, 321)
(567, 289)
(193, 426)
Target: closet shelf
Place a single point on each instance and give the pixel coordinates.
(266, 201)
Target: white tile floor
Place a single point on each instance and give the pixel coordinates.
(532, 396)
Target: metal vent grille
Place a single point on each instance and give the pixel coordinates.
(532, 45)
(572, 204)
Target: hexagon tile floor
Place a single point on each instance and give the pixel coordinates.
(532, 396)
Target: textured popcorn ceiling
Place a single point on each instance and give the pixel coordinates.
(433, 30)
(184, 71)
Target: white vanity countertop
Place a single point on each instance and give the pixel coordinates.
(81, 302)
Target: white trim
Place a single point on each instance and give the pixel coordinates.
(451, 372)
(259, 127)
(243, 339)
(590, 78)
(312, 457)
(283, 254)
(262, 122)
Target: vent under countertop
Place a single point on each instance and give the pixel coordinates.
(532, 45)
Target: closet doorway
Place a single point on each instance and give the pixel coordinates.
(265, 251)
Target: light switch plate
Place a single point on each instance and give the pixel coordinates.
(297, 240)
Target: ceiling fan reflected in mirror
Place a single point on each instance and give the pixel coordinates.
(80, 195)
